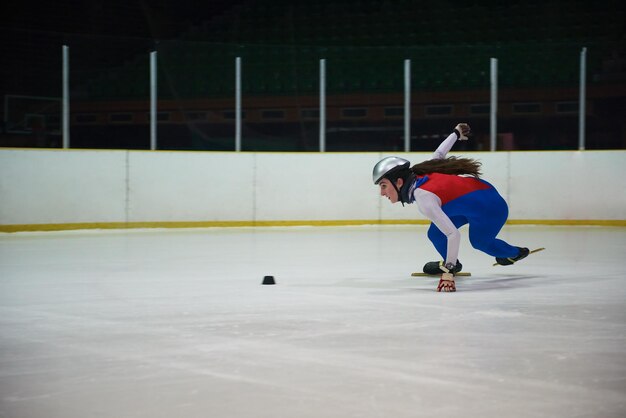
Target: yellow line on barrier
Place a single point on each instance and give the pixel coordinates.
(568, 222)
(235, 224)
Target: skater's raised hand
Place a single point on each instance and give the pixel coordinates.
(462, 130)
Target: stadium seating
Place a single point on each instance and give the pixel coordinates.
(365, 43)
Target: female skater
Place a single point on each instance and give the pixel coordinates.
(450, 193)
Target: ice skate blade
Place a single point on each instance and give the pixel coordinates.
(460, 274)
(536, 250)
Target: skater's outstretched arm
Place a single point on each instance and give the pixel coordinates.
(460, 133)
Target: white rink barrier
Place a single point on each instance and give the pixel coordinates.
(67, 189)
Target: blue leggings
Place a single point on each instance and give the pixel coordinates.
(486, 212)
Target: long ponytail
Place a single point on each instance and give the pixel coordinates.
(450, 165)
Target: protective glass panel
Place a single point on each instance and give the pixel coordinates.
(109, 86)
(30, 85)
(196, 89)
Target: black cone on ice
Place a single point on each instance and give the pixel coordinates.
(269, 280)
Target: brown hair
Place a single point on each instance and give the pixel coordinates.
(450, 165)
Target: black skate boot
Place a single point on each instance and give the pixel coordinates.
(434, 268)
(523, 253)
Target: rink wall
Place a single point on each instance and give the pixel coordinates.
(70, 189)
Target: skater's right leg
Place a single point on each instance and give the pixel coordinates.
(523, 253)
(486, 219)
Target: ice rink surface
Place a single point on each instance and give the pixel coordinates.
(176, 323)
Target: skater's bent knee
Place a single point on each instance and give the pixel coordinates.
(480, 245)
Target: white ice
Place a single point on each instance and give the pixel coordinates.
(176, 323)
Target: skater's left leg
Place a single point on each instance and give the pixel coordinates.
(438, 238)
(440, 241)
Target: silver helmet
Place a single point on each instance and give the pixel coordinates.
(386, 166)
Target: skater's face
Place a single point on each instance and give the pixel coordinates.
(387, 189)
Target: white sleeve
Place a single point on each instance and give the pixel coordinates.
(430, 206)
(445, 147)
